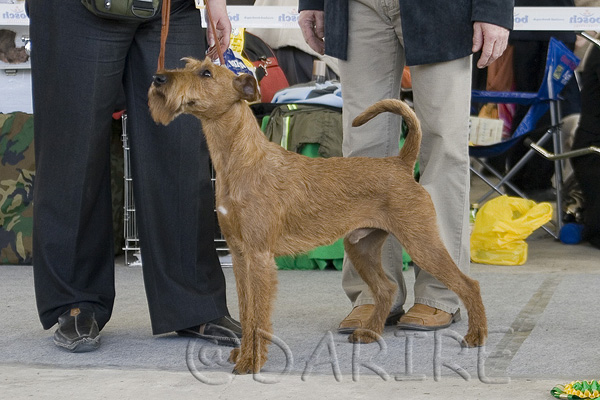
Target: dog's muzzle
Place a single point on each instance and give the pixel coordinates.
(160, 79)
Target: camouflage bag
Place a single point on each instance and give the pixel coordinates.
(17, 170)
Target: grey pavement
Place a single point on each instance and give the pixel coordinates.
(543, 331)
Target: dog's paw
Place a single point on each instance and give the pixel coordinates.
(246, 366)
(364, 336)
(241, 371)
(475, 337)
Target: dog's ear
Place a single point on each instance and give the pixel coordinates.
(247, 87)
(190, 61)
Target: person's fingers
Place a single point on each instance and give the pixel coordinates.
(312, 26)
(491, 39)
(477, 38)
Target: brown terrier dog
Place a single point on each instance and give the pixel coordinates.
(273, 202)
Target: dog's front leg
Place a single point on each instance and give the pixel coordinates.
(240, 271)
(257, 284)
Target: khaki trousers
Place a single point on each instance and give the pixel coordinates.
(441, 94)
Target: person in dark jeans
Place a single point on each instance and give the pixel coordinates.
(587, 168)
(80, 65)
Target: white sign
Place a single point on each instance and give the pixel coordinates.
(557, 19)
(281, 17)
(526, 18)
(13, 14)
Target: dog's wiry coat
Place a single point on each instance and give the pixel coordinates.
(276, 202)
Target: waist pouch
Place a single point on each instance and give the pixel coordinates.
(129, 10)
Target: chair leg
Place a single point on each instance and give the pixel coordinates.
(495, 188)
(558, 177)
(504, 180)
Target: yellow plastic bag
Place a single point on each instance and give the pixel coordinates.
(501, 227)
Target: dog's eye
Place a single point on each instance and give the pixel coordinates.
(205, 73)
(191, 103)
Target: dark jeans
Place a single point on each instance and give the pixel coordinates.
(587, 168)
(80, 66)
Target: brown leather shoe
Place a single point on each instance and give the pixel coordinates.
(360, 314)
(424, 318)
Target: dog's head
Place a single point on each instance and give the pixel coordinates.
(201, 88)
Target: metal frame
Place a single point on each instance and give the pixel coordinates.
(504, 180)
(554, 132)
(132, 241)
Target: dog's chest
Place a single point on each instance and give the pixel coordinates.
(222, 210)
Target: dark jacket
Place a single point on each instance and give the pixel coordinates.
(433, 30)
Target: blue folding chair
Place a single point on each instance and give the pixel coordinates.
(560, 68)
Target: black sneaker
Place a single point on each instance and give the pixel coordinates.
(77, 331)
(224, 331)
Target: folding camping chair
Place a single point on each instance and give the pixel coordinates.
(560, 66)
(573, 153)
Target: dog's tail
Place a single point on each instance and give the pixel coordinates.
(410, 150)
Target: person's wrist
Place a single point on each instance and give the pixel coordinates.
(216, 2)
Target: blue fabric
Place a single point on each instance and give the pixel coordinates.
(483, 96)
(328, 93)
(560, 67)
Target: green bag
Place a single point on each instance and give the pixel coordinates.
(123, 9)
(294, 125)
(17, 174)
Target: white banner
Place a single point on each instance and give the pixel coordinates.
(526, 18)
(557, 19)
(13, 14)
(281, 17)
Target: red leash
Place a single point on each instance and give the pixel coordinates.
(164, 32)
(214, 29)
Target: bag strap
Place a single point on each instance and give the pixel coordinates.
(164, 32)
(142, 5)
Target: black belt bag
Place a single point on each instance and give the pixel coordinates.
(129, 10)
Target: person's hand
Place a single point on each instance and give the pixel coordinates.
(222, 36)
(313, 29)
(491, 40)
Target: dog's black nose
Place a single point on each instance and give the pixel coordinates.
(160, 79)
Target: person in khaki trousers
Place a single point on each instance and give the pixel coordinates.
(374, 40)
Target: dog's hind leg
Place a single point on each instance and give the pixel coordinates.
(427, 250)
(259, 282)
(439, 264)
(363, 247)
